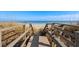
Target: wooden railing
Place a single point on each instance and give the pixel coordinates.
(59, 38)
(24, 36)
(19, 38)
(2, 34)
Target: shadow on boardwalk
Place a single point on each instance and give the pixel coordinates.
(35, 41)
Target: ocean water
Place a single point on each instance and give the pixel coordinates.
(45, 22)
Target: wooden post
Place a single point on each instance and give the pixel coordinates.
(45, 27)
(31, 28)
(0, 39)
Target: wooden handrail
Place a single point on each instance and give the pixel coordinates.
(2, 34)
(64, 24)
(8, 32)
(26, 39)
(12, 29)
(16, 40)
(56, 40)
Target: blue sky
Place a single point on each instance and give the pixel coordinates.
(39, 15)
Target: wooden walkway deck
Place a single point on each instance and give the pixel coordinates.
(38, 41)
(50, 36)
(43, 41)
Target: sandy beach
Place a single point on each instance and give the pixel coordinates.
(38, 27)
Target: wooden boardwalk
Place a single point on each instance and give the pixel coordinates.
(38, 41)
(53, 35)
(43, 41)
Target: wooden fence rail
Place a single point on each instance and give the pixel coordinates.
(1, 34)
(19, 38)
(23, 36)
(62, 32)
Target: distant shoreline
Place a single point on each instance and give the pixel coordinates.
(43, 22)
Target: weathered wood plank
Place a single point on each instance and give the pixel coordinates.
(24, 41)
(43, 41)
(16, 40)
(6, 32)
(30, 41)
(56, 40)
(59, 41)
(26, 38)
